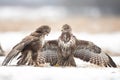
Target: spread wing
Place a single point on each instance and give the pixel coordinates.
(89, 52)
(18, 48)
(50, 50)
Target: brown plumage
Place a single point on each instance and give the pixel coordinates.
(50, 52)
(30, 48)
(67, 44)
(2, 53)
(89, 52)
(61, 52)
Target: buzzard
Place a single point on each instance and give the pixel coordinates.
(30, 48)
(61, 52)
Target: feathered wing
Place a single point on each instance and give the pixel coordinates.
(25, 58)
(89, 52)
(2, 53)
(50, 51)
(18, 48)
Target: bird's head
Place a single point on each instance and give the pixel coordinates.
(44, 30)
(66, 28)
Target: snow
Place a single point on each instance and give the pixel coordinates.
(83, 71)
(58, 73)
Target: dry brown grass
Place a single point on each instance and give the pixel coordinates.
(79, 24)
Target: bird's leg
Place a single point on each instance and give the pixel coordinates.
(70, 61)
(60, 61)
(40, 60)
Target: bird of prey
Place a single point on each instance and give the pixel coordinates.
(61, 52)
(1, 51)
(29, 48)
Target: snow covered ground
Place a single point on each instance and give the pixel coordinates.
(58, 73)
(83, 71)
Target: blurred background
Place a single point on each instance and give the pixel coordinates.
(88, 15)
(94, 20)
(97, 21)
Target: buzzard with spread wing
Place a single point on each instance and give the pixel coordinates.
(29, 48)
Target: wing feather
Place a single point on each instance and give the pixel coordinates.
(50, 50)
(18, 48)
(89, 52)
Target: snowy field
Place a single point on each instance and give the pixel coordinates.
(57, 73)
(83, 71)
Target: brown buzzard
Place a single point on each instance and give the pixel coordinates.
(30, 48)
(61, 52)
